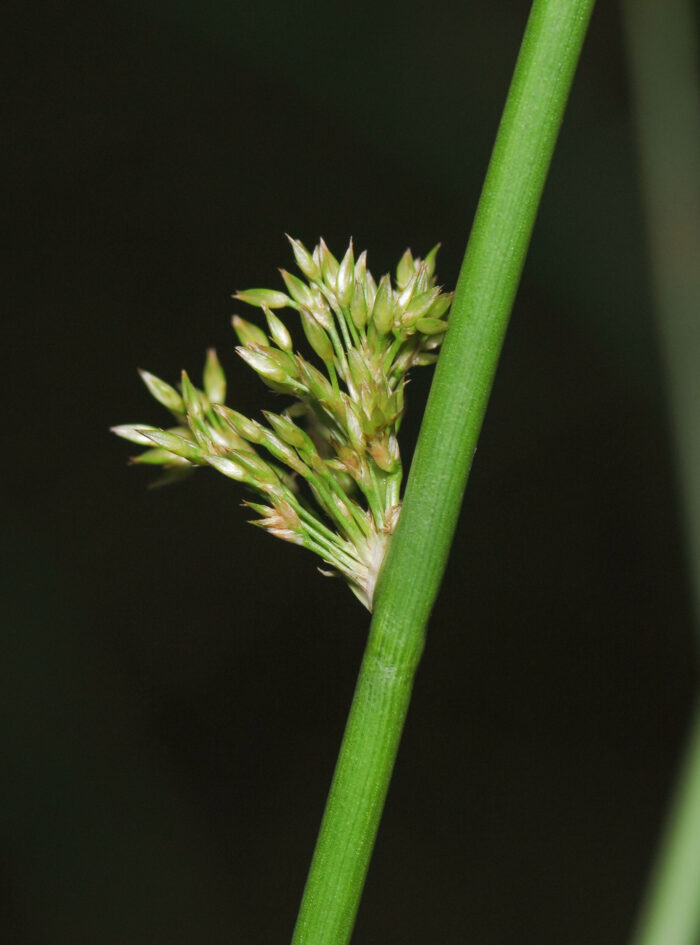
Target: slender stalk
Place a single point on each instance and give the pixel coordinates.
(670, 914)
(662, 55)
(411, 576)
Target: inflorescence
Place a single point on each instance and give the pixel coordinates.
(328, 467)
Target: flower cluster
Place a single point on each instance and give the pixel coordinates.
(327, 468)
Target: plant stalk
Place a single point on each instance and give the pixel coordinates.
(670, 914)
(410, 578)
(663, 65)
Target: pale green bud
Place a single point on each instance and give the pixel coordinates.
(158, 457)
(250, 430)
(214, 378)
(358, 306)
(249, 334)
(163, 393)
(418, 307)
(345, 280)
(176, 444)
(278, 330)
(397, 401)
(134, 432)
(319, 309)
(359, 368)
(260, 297)
(316, 336)
(304, 260)
(283, 360)
(317, 383)
(406, 294)
(423, 280)
(431, 342)
(329, 264)
(289, 431)
(441, 304)
(370, 289)
(405, 269)
(223, 439)
(361, 267)
(353, 426)
(229, 467)
(431, 326)
(298, 290)
(261, 473)
(429, 260)
(383, 310)
(285, 453)
(425, 358)
(264, 366)
(258, 506)
(191, 397)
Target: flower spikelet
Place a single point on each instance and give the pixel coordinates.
(327, 467)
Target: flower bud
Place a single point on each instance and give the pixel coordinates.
(264, 366)
(383, 310)
(358, 307)
(250, 430)
(163, 393)
(370, 289)
(345, 280)
(305, 260)
(260, 297)
(316, 336)
(298, 290)
(229, 467)
(329, 264)
(261, 474)
(405, 269)
(284, 452)
(289, 431)
(431, 326)
(316, 383)
(425, 359)
(134, 432)
(247, 333)
(429, 260)
(319, 308)
(418, 307)
(278, 330)
(192, 398)
(159, 457)
(214, 378)
(441, 304)
(174, 443)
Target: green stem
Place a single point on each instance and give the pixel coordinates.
(334, 378)
(663, 62)
(671, 910)
(417, 556)
(351, 326)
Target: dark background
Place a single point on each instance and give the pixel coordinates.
(175, 682)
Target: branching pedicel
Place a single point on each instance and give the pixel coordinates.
(337, 443)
